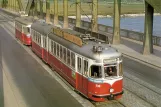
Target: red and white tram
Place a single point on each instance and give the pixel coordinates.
(39, 32)
(91, 67)
(23, 29)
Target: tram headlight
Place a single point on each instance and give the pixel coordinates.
(111, 90)
(28, 35)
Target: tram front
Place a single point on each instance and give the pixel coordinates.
(106, 76)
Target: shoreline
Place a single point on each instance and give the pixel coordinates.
(109, 16)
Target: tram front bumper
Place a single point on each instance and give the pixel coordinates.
(109, 96)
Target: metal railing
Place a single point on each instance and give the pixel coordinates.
(108, 31)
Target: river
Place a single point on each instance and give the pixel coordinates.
(133, 23)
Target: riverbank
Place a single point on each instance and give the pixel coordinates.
(109, 16)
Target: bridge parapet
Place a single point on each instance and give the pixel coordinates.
(109, 30)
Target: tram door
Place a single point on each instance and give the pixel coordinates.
(85, 77)
(82, 78)
(45, 49)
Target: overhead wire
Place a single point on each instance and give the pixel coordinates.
(90, 19)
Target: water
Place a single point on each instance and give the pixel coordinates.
(134, 23)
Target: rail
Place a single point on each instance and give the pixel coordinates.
(109, 30)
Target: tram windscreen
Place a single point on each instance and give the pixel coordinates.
(110, 71)
(96, 71)
(26, 30)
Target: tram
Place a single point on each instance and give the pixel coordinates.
(39, 32)
(23, 29)
(90, 65)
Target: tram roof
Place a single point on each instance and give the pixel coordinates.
(87, 49)
(28, 20)
(42, 27)
(72, 32)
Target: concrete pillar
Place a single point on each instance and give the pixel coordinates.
(148, 41)
(78, 13)
(94, 21)
(41, 9)
(47, 11)
(9, 4)
(20, 5)
(16, 5)
(65, 12)
(5, 3)
(35, 8)
(12, 5)
(56, 22)
(116, 22)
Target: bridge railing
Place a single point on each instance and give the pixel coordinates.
(123, 32)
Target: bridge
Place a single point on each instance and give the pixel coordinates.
(28, 79)
(150, 5)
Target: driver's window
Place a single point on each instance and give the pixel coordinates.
(110, 71)
(26, 30)
(95, 71)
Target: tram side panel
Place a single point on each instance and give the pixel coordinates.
(36, 44)
(62, 69)
(45, 55)
(18, 31)
(18, 34)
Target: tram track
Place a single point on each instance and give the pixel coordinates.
(119, 103)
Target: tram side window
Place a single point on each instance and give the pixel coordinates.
(35, 36)
(73, 59)
(120, 70)
(39, 39)
(17, 25)
(44, 42)
(68, 57)
(51, 44)
(54, 48)
(79, 64)
(95, 71)
(64, 54)
(32, 32)
(57, 50)
(85, 68)
(20, 27)
(61, 52)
